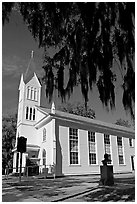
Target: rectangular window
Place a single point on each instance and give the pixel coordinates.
(73, 141)
(27, 112)
(30, 116)
(119, 141)
(34, 114)
(107, 146)
(92, 147)
(130, 142)
(120, 150)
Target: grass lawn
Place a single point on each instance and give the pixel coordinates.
(45, 189)
(40, 188)
(123, 190)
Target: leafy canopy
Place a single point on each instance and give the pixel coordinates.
(78, 109)
(122, 122)
(8, 138)
(88, 37)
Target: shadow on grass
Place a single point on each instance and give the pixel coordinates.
(105, 194)
(39, 188)
(45, 187)
(125, 180)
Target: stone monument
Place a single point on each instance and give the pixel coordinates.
(106, 172)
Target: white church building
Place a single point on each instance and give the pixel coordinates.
(75, 145)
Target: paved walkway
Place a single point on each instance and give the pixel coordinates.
(67, 189)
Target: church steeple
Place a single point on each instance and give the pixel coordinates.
(29, 94)
(31, 68)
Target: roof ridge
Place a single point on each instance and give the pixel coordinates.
(85, 119)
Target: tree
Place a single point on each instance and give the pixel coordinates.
(88, 37)
(122, 122)
(78, 109)
(8, 138)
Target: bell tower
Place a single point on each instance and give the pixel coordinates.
(29, 97)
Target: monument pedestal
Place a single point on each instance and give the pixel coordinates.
(106, 175)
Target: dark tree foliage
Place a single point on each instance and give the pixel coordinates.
(88, 37)
(6, 11)
(78, 109)
(8, 139)
(122, 122)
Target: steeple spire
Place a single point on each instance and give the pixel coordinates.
(30, 68)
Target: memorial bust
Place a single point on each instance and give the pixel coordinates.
(106, 159)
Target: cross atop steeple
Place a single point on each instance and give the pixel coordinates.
(32, 54)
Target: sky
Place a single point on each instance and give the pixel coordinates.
(17, 44)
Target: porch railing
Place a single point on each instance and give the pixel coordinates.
(32, 170)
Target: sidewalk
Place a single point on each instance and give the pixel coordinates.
(34, 189)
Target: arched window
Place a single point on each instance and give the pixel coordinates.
(35, 94)
(31, 94)
(34, 114)
(27, 112)
(28, 92)
(30, 116)
(44, 134)
(44, 157)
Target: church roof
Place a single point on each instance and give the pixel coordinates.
(44, 110)
(28, 78)
(103, 127)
